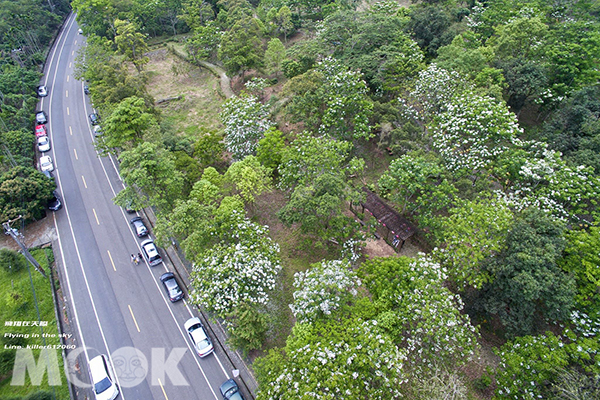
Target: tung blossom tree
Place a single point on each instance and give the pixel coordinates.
(245, 120)
(323, 289)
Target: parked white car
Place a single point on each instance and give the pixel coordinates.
(43, 143)
(46, 164)
(102, 378)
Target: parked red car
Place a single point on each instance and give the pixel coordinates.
(40, 130)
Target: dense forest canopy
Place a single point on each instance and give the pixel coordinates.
(477, 121)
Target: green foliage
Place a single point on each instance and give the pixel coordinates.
(20, 144)
(527, 285)
(418, 184)
(270, 149)
(241, 47)
(274, 56)
(11, 261)
(418, 312)
(249, 178)
(203, 44)
(430, 27)
(309, 157)
(127, 125)
(131, 43)
(247, 327)
(209, 147)
(528, 364)
(24, 191)
(150, 170)
(197, 13)
(472, 234)
(583, 262)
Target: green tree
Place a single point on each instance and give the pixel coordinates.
(527, 285)
(196, 13)
(131, 43)
(274, 56)
(472, 234)
(430, 27)
(20, 146)
(241, 46)
(24, 191)
(127, 125)
(583, 261)
(249, 178)
(418, 184)
(209, 147)
(270, 149)
(419, 313)
(150, 171)
(284, 21)
(204, 42)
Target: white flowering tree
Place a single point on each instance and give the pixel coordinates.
(352, 360)
(472, 232)
(547, 182)
(418, 312)
(227, 275)
(473, 132)
(432, 92)
(348, 106)
(245, 120)
(324, 288)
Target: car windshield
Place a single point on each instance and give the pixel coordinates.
(194, 327)
(102, 385)
(203, 344)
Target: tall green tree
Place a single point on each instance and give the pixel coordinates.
(241, 46)
(528, 286)
(149, 170)
(131, 43)
(126, 126)
(274, 56)
(24, 192)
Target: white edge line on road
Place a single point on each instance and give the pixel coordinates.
(63, 37)
(167, 303)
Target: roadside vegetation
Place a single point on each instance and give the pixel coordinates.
(25, 292)
(27, 28)
(476, 121)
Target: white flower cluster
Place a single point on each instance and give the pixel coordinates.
(585, 325)
(242, 272)
(550, 184)
(348, 108)
(245, 120)
(351, 249)
(363, 365)
(433, 328)
(434, 89)
(323, 289)
(474, 131)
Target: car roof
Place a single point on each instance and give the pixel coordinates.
(98, 368)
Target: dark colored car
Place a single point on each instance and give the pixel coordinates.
(94, 119)
(41, 117)
(138, 225)
(230, 390)
(86, 89)
(54, 203)
(173, 290)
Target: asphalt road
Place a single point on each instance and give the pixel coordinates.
(120, 309)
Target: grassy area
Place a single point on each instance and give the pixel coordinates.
(18, 306)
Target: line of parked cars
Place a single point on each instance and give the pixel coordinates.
(101, 371)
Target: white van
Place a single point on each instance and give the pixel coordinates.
(102, 378)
